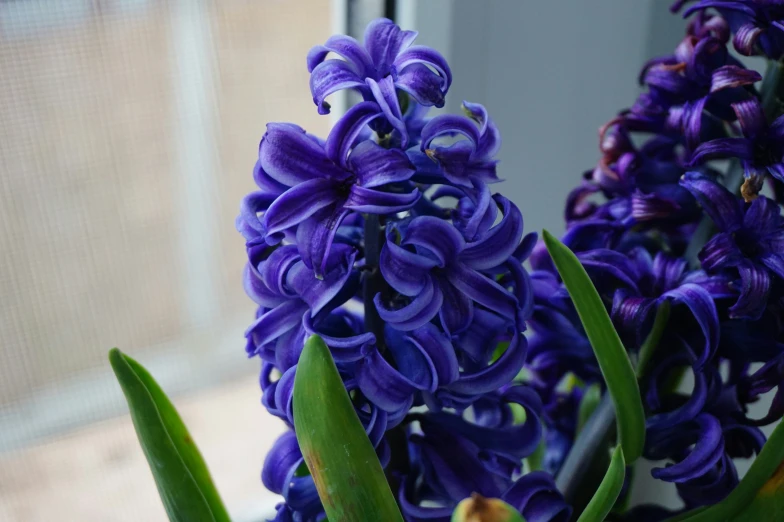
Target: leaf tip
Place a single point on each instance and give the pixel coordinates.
(116, 358)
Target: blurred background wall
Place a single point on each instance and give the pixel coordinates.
(128, 133)
(549, 73)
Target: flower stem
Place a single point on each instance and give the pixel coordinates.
(571, 478)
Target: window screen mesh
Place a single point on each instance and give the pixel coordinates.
(128, 133)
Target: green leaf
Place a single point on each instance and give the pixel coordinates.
(339, 455)
(180, 473)
(591, 399)
(477, 508)
(604, 498)
(613, 359)
(759, 497)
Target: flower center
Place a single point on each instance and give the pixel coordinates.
(765, 153)
(747, 244)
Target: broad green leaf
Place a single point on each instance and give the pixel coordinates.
(613, 359)
(759, 497)
(477, 508)
(604, 498)
(183, 481)
(591, 399)
(339, 455)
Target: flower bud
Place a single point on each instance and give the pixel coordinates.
(480, 509)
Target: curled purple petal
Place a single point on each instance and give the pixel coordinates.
(384, 41)
(499, 243)
(407, 272)
(280, 463)
(754, 291)
(345, 46)
(498, 373)
(439, 349)
(417, 56)
(440, 239)
(331, 76)
(277, 321)
(702, 307)
(484, 291)
(299, 203)
(386, 97)
(375, 166)
(537, 498)
(343, 135)
(457, 309)
(730, 76)
(722, 207)
(720, 251)
(289, 156)
(343, 349)
(260, 293)
(422, 84)
(449, 125)
(750, 117)
(422, 308)
(517, 440)
(315, 236)
(707, 452)
(745, 39)
(722, 148)
(388, 388)
(371, 201)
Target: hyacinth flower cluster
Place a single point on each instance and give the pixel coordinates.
(683, 208)
(388, 241)
(469, 373)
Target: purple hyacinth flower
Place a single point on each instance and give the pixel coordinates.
(664, 278)
(699, 75)
(537, 498)
(761, 149)
(278, 475)
(441, 273)
(454, 457)
(750, 240)
(758, 24)
(385, 63)
(640, 182)
(465, 161)
(327, 181)
(494, 429)
(704, 472)
(288, 294)
(424, 361)
(770, 376)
